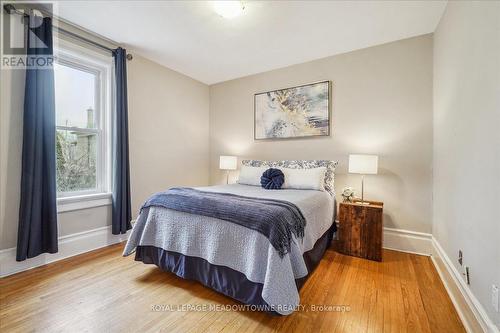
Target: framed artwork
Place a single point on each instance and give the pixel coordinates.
(297, 112)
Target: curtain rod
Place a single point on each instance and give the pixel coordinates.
(10, 9)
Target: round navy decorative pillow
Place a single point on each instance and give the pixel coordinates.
(272, 179)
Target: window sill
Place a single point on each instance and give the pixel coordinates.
(83, 202)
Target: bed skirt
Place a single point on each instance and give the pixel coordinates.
(223, 279)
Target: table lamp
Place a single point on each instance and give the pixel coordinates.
(363, 165)
(228, 163)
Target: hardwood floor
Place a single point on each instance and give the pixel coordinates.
(101, 291)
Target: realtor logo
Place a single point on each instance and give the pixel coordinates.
(22, 35)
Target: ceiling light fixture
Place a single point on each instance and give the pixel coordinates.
(228, 9)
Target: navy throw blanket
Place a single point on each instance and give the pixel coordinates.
(277, 220)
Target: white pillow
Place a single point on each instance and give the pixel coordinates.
(251, 175)
(304, 179)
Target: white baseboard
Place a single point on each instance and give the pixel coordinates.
(469, 309)
(69, 246)
(407, 241)
(74, 244)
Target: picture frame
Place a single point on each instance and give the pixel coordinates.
(302, 111)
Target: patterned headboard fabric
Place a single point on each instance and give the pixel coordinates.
(301, 164)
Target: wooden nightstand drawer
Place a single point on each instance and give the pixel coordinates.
(360, 230)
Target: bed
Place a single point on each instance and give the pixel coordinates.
(231, 258)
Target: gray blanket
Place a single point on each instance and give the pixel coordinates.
(275, 219)
(237, 247)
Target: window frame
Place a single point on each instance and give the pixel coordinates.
(101, 65)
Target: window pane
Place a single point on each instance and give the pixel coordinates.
(75, 97)
(76, 161)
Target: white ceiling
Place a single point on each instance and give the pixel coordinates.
(189, 37)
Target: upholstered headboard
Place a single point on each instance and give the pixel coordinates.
(301, 164)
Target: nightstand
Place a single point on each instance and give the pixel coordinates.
(360, 229)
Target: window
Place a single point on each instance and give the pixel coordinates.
(82, 100)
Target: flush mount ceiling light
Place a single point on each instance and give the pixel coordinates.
(228, 9)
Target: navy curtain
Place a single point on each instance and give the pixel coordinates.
(121, 170)
(37, 231)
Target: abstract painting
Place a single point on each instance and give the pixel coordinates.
(293, 112)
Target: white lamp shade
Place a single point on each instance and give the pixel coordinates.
(363, 164)
(228, 163)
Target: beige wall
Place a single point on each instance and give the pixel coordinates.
(467, 141)
(382, 104)
(168, 124)
(168, 119)
(11, 124)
